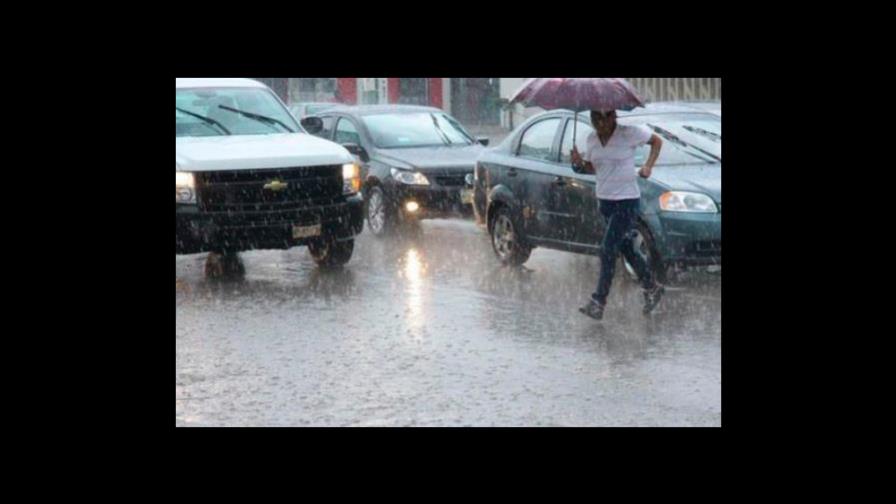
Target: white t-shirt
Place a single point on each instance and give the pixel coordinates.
(614, 164)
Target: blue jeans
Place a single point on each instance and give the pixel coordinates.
(621, 217)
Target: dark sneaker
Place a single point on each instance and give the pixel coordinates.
(652, 298)
(593, 309)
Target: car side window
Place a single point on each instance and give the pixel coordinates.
(582, 132)
(327, 130)
(538, 140)
(346, 132)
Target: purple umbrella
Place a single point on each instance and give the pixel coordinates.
(578, 94)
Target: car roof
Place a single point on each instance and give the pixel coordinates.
(305, 104)
(217, 83)
(662, 108)
(691, 105)
(362, 110)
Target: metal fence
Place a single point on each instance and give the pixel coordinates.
(677, 88)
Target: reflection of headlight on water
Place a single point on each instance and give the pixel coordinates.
(413, 266)
(414, 269)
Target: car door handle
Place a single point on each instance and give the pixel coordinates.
(511, 172)
(560, 181)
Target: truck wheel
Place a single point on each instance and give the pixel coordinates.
(508, 241)
(331, 253)
(224, 265)
(645, 246)
(380, 215)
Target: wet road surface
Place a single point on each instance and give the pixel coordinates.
(427, 329)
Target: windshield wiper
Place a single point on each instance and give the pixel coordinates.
(257, 117)
(457, 128)
(674, 139)
(435, 122)
(207, 120)
(701, 131)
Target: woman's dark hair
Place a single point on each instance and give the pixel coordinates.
(598, 113)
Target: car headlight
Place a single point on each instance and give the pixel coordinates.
(184, 188)
(682, 201)
(409, 177)
(351, 178)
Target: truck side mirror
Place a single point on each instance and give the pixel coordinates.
(357, 150)
(482, 140)
(312, 124)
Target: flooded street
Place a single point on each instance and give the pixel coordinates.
(427, 329)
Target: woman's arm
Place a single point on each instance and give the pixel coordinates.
(656, 143)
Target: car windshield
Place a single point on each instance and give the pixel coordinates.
(241, 111)
(424, 129)
(674, 152)
(707, 123)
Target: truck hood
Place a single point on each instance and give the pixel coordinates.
(426, 159)
(240, 152)
(704, 178)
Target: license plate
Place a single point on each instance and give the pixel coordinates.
(466, 196)
(305, 231)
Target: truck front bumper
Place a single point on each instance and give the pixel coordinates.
(198, 231)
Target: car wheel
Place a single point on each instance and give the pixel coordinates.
(507, 240)
(380, 217)
(645, 246)
(331, 253)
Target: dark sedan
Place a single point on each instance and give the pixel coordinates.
(528, 195)
(417, 162)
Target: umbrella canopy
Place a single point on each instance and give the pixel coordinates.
(578, 94)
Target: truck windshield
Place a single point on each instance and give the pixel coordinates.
(241, 111)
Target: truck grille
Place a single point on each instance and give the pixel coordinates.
(242, 191)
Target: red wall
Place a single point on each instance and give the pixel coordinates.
(348, 89)
(435, 92)
(393, 89)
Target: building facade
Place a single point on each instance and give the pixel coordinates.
(471, 100)
(474, 101)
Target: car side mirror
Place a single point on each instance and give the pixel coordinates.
(357, 150)
(312, 124)
(482, 140)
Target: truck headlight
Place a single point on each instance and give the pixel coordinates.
(184, 188)
(682, 201)
(351, 178)
(409, 177)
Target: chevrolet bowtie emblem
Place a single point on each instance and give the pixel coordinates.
(276, 185)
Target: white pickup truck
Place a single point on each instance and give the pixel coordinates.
(250, 177)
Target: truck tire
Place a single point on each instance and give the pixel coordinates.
(331, 253)
(224, 265)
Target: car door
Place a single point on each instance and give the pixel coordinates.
(578, 209)
(531, 178)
